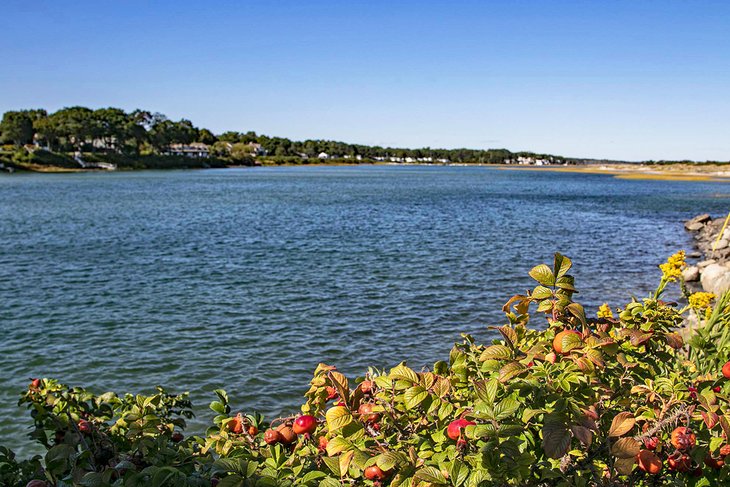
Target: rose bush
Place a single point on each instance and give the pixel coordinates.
(631, 398)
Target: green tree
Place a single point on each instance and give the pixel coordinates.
(206, 137)
(17, 127)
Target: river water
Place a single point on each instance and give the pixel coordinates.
(247, 278)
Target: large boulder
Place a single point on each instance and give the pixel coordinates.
(697, 222)
(715, 279)
(691, 274)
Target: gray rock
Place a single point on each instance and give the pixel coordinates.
(693, 227)
(694, 255)
(691, 273)
(716, 279)
(721, 244)
(703, 218)
(705, 263)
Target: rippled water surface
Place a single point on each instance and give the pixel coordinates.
(246, 279)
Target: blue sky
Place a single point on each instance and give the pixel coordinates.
(616, 79)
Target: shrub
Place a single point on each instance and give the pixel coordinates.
(616, 400)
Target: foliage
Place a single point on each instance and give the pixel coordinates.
(573, 401)
(112, 130)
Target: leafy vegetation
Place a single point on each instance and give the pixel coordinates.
(629, 398)
(140, 132)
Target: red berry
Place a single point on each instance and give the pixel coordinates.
(680, 462)
(35, 384)
(455, 427)
(322, 443)
(713, 462)
(683, 438)
(717, 388)
(253, 430)
(366, 386)
(287, 434)
(651, 443)
(366, 413)
(374, 473)
(177, 437)
(84, 427)
(649, 462)
(271, 437)
(235, 425)
(305, 424)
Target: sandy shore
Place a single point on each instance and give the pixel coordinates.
(674, 172)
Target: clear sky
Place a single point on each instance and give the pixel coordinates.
(638, 79)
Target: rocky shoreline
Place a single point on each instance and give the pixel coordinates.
(712, 271)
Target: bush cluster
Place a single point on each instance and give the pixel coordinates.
(629, 398)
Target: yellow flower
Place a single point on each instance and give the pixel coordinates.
(701, 300)
(604, 311)
(672, 268)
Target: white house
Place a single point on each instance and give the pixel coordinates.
(323, 155)
(195, 150)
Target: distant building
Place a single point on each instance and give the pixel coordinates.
(256, 149)
(323, 155)
(195, 150)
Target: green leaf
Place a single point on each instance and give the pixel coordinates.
(330, 482)
(218, 407)
(337, 445)
(312, 476)
(566, 283)
(333, 463)
(403, 372)
(431, 475)
(231, 481)
(505, 408)
(541, 292)
(510, 370)
(414, 396)
(57, 458)
(555, 436)
(542, 274)
(571, 341)
(496, 352)
(442, 387)
(338, 417)
(487, 390)
(561, 264)
(389, 459)
(577, 310)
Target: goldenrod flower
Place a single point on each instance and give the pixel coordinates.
(672, 268)
(604, 311)
(701, 300)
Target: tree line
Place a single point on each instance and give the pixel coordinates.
(144, 132)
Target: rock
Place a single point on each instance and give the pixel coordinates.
(699, 219)
(721, 244)
(691, 273)
(694, 255)
(726, 234)
(705, 263)
(693, 227)
(716, 279)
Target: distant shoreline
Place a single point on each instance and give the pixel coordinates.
(664, 172)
